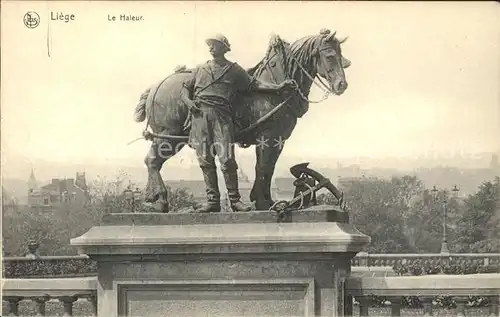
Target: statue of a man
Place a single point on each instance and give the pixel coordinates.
(209, 94)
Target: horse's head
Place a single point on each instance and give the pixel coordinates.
(330, 63)
(304, 59)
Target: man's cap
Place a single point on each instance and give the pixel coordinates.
(219, 38)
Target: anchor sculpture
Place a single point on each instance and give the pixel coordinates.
(307, 183)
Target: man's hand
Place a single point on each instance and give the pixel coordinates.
(193, 107)
(288, 85)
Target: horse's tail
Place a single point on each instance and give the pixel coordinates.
(140, 109)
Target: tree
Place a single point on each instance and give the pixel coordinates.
(399, 214)
(108, 194)
(180, 200)
(478, 228)
(54, 228)
(379, 208)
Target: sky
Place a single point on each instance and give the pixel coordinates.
(425, 77)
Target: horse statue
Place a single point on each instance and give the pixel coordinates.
(262, 119)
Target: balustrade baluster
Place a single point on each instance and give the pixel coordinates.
(461, 301)
(363, 259)
(494, 300)
(348, 304)
(68, 304)
(364, 305)
(427, 303)
(40, 305)
(395, 306)
(13, 304)
(93, 301)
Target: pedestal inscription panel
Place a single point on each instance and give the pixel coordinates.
(223, 298)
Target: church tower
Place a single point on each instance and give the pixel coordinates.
(81, 181)
(32, 184)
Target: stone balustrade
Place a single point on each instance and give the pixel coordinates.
(394, 259)
(40, 291)
(363, 289)
(426, 288)
(81, 265)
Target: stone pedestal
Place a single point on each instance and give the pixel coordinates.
(227, 264)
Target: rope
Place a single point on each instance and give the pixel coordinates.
(145, 133)
(301, 200)
(274, 207)
(133, 141)
(311, 192)
(264, 118)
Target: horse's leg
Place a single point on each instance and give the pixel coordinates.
(267, 154)
(159, 152)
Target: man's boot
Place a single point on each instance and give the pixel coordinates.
(231, 179)
(212, 190)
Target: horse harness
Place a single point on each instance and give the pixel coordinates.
(286, 51)
(215, 80)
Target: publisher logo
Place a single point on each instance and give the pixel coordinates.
(31, 19)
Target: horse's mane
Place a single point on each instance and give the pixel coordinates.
(301, 50)
(253, 70)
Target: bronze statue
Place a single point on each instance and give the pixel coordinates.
(213, 87)
(262, 115)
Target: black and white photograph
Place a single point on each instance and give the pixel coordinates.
(250, 158)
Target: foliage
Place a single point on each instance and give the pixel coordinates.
(49, 268)
(53, 228)
(380, 209)
(420, 267)
(400, 215)
(179, 199)
(478, 228)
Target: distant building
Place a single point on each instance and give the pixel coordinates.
(194, 187)
(494, 164)
(244, 184)
(32, 183)
(284, 189)
(345, 182)
(7, 199)
(198, 189)
(58, 192)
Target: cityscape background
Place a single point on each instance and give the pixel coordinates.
(465, 172)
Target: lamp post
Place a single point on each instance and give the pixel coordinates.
(444, 201)
(128, 195)
(137, 197)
